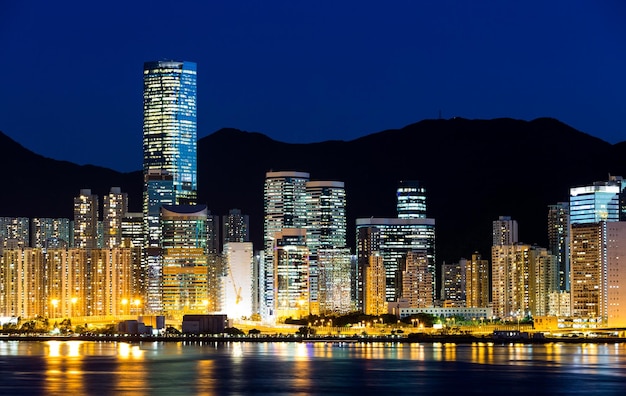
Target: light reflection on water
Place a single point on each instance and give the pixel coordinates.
(78, 368)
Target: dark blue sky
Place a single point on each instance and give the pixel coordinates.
(305, 71)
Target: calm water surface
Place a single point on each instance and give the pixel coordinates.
(240, 368)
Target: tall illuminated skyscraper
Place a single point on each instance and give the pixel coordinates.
(325, 229)
(169, 157)
(411, 200)
(284, 199)
(170, 125)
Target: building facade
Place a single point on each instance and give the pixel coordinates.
(284, 203)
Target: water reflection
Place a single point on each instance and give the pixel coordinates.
(77, 367)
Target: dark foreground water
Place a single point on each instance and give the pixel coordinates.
(239, 368)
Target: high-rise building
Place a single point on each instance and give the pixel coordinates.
(326, 226)
(185, 272)
(170, 125)
(411, 203)
(593, 209)
(392, 239)
(238, 279)
(558, 240)
(588, 271)
(49, 232)
(235, 227)
(597, 202)
(334, 281)
(417, 283)
(374, 286)
(291, 273)
(453, 292)
(159, 192)
(510, 276)
(115, 207)
(616, 274)
(169, 158)
(477, 282)
(504, 231)
(544, 280)
(14, 232)
(22, 282)
(86, 220)
(284, 202)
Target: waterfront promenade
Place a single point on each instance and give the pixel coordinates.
(405, 338)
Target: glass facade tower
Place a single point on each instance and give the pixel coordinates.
(169, 158)
(284, 201)
(170, 125)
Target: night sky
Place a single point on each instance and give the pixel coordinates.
(305, 71)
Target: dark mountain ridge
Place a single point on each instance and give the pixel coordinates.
(473, 172)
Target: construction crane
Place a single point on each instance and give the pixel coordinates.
(237, 290)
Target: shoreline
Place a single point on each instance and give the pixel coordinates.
(411, 338)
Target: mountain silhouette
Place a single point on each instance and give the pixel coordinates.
(473, 170)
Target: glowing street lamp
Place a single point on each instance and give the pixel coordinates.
(55, 304)
(137, 303)
(124, 303)
(73, 300)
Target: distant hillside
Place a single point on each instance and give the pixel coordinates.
(473, 171)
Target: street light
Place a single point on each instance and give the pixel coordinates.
(74, 299)
(137, 302)
(55, 303)
(124, 303)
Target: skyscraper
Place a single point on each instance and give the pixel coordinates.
(477, 282)
(236, 227)
(291, 273)
(504, 231)
(185, 272)
(169, 157)
(170, 125)
(392, 239)
(558, 240)
(411, 200)
(326, 226)
(86, 220)
(115, 207)
(284, 202)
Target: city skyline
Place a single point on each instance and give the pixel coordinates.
(307, 73)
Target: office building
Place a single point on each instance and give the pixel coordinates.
(597, 202)
(169, 157)
(325, 225)
(235, 227)
(558, 240)
(238, 279)
(411, 200)
(185, 264)
(170, 125)
(291, 273)
(334, 281)
(284, 202)
(392, 239)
